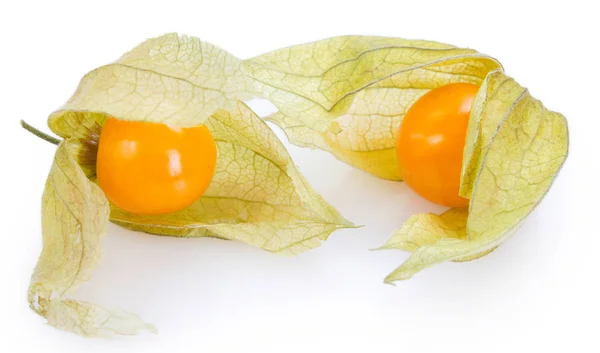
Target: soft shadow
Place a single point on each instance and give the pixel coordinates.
(163, 278)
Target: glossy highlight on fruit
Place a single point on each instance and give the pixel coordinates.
(431, 140)
(151, 168)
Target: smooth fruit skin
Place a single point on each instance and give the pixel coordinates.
(431, 140)
(150, 168)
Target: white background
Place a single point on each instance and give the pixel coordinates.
(538, 291)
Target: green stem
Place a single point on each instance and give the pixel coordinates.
(39, 134)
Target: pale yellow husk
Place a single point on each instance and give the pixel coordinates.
(515, 148)
(348, 95)
(257, 195)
